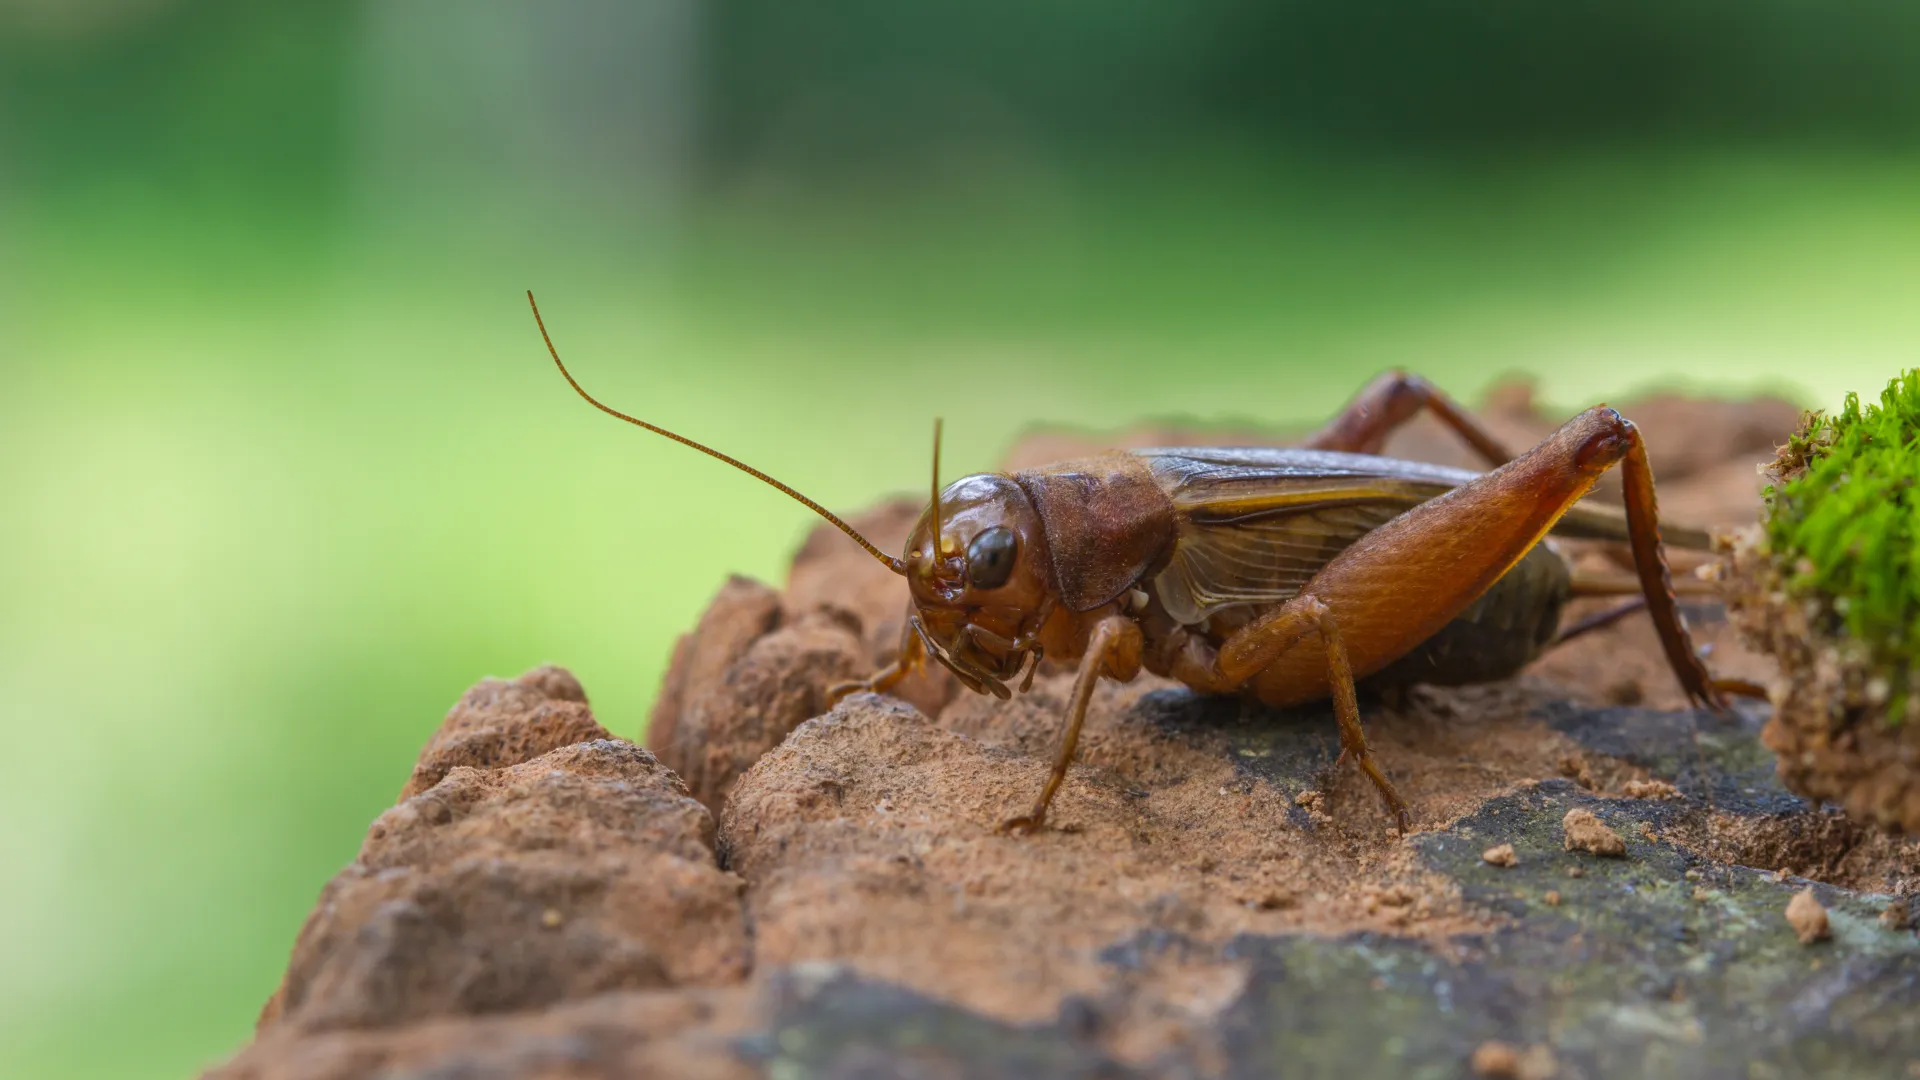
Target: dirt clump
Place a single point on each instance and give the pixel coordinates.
(1498, 1060)
(1650, 789)
(746, 677)
(580, 871)
(1808, 917)
(1499, 855)
(1585, 832)
(1895, 916)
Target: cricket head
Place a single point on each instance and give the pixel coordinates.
(977, 566)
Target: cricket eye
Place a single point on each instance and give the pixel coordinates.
(990, 558)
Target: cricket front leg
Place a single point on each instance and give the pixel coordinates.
(1113, 650)
(1390, 401)
(911, 658)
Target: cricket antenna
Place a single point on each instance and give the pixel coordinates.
(937, 542)
(886, 560)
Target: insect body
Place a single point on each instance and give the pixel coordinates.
(1287, 575)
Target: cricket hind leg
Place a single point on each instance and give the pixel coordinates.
(1389, 402)
(1114, 650)
(1656, 581)
(1443, 551)
(1402, 583)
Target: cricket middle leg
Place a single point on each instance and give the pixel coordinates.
(1389, 402)
(1282, 634)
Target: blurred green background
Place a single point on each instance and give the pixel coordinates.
(283, 468)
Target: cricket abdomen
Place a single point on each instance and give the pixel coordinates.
(1499, 633)
(1503, 631)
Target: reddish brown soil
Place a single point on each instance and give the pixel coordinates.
(550, 881)
(1831, 727)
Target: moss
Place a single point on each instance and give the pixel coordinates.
(1843, 523)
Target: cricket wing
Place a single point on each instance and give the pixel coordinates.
(1254, 525)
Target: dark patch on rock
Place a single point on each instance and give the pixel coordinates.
(1634, 1007)
(1289, 748)
(1712, 757)
(1643, 970)
(829, 1023)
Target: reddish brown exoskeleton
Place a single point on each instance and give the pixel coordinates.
(1287, 575)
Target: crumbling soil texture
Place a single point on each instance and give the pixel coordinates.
(779, 888)
(1833, 727)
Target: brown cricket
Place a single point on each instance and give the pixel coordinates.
(1286, 575)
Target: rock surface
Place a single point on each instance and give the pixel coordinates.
(583, 869)
(1213, 897)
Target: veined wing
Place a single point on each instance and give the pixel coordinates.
(1253, 525)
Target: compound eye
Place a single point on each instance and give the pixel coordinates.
(990, 558)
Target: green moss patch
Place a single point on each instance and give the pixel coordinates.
(1843, 522)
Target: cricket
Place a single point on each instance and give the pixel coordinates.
(1288, 575)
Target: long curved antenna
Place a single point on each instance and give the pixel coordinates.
(935, 504)
(886, 560)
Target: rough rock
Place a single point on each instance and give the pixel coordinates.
(760, 661)
(579, 871)
(500, 723)
(749, 674)
(1213, 897)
